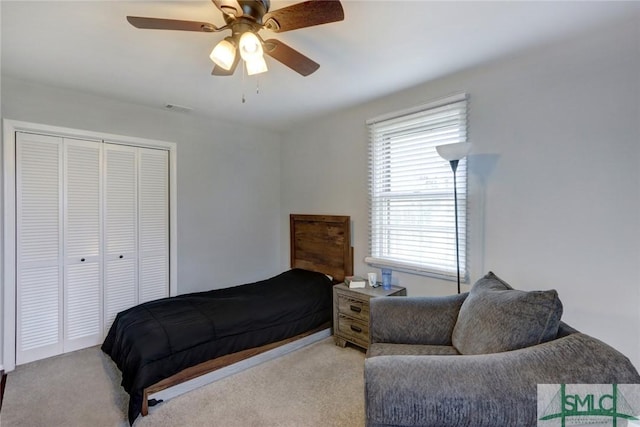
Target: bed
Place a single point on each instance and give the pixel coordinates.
(166, 342)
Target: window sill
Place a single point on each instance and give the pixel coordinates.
(414, 269)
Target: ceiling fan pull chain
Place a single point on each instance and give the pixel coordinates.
(258, 86)
(244, 71)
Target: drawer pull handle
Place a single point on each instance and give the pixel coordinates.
(355, 308)
(355, 329)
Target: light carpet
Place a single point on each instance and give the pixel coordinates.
(318, 385)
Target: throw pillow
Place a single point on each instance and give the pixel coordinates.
(495, 318)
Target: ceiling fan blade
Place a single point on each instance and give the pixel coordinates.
(219, 71)
(290, 57)
(305, 14)
(170, 24)
(230, 7)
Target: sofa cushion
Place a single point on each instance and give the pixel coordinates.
(495, 318)
(386, 349)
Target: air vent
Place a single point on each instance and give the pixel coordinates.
(178, 108)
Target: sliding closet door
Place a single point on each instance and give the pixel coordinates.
(39, 247)
(121, 230)
(82, 230)
(154, 223)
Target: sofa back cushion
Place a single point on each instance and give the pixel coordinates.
(495, 318)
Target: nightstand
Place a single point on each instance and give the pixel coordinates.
(351, 312)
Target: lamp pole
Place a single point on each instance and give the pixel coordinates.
(453, 153)
(454, 167)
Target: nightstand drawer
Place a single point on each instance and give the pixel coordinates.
(353, 308)
(353, 329)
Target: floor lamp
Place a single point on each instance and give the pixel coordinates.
(454, 153)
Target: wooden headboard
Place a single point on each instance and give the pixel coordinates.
(322, 243)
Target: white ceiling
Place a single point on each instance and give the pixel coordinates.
(380, 47)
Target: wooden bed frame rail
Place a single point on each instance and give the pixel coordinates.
(215, 364)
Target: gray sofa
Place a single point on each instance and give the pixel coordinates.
(475, 359)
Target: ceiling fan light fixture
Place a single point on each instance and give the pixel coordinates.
(224, 54)
(256, 66)
(250, 46)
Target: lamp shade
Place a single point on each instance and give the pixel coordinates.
(456, 151)
(256, 66)
(250, 46)
(224, 54)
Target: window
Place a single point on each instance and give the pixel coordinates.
(411, 204)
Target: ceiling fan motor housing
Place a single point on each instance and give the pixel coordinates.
(251, 9)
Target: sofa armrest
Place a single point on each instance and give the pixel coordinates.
(414, 320)
(484, 390)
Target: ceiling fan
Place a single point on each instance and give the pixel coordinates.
(245, 18)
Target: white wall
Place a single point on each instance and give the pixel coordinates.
(554, 198)
(228, 178)
(1, 207)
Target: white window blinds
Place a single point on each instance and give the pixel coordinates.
(411, 212)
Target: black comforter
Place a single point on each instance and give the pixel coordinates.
(157, 339)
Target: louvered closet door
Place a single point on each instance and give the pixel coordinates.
(39, 247)
(83, 324)
(92, 239)
(154, 223)
(121, 230)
